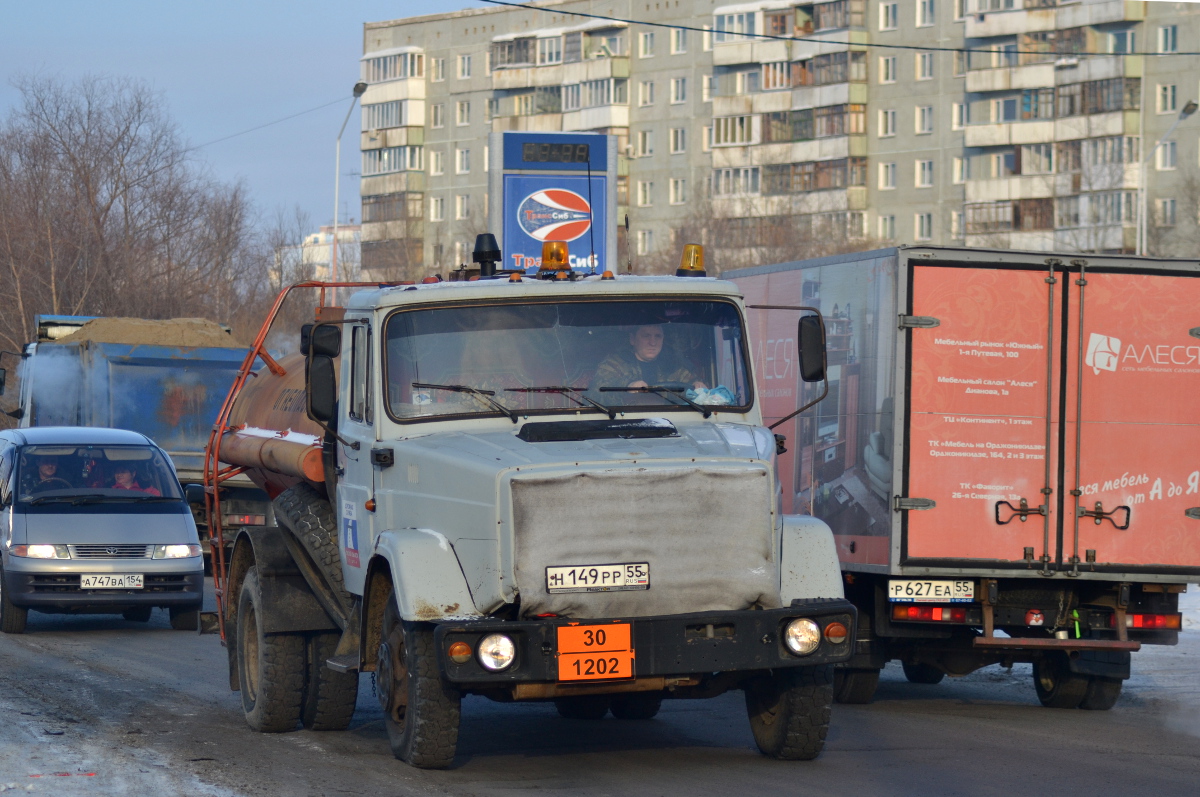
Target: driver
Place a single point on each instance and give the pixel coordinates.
(48, 478)
(644, 364)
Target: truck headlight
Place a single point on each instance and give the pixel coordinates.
(802, 636)
(176, 551)
(496, 652)
(41, 551)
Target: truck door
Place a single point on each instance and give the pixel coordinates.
(1133, 376)
(981, 418)
(356, 484)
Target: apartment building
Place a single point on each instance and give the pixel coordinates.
(1015, 123)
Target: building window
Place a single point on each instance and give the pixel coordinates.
(1004, 164)
(678, 42)
(706, 38)
(550, 50)
(776, 75)
(678, 140)
(706, 139)
(733, 182)
(957, 224)
(437, 68)
(924, 174)
(462, 206)
(437, 162)
(645, 45)
(678, 191)
(437, 208)
(678, 90)
(1168, 39)
(923, 226)
(960, 10)
(462, 161)
(1122, 41)
(887, 227)
(462, 113)
(1004, 110)
(1164, 212)
(958, 115)
(889, 16)
(887, 69)
(960, 63)
(491, 109)
(437, 116)
(730, 27)
(645, 242)
(646, 93)
(1037, 159)
(924, 13)
(1166, 98)
(1164, 158)
(887, 123)
(392, 159)
(924, 66)
(924, 119)
(732, 130)
(706, 87)
(393, 67)
(887, 176)
(962, 170)
(464, 67)
(385, 114)
(645, 143)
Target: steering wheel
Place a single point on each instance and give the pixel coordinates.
(53, 483)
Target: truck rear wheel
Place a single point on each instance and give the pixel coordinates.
(1102, 693)
(12, 617)
(271, 666)
(311, 520)
(1056, 685)
(855, 686)
(329, 696)
(637, 706)
(921, 673)
(584, 707)
(789, 711)
(420, 710)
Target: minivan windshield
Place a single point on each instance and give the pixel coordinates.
(587, 356)
(100, 474)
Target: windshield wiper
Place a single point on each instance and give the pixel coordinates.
(571, 393)
(664, 392)
(47, 499)
(486, 395)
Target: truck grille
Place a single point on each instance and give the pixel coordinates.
(111, 551)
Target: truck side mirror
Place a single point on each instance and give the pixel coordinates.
(194, 493)
(325, 340)
(322, 384)
(811, 334)
(3, 378)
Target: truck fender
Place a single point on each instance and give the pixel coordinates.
(288, 603)
(426, 576)
(808, 564)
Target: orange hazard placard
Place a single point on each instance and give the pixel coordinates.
(595, 652)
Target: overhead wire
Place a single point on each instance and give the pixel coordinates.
(822, 39)
(266, 124)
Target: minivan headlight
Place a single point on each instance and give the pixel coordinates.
(176, 551)
(41, 551)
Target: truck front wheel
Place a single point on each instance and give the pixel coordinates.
(1057, 686)
(789, 711)
(421, 710)
(271, 666)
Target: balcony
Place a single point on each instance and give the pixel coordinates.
(1008, 133)
(392, 137)
(1026, 186)
(535, 123)
(789, 152)
(1098, 68)
(395, 183)
(1100, 12)
(406, 89)
(523, 77)
(1011, 23)
(601, 118)
(1005, 78)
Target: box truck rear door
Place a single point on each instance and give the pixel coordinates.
(980, 418)
(1139, 443)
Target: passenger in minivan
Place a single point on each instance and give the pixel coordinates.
(124, 478)
(48, 478)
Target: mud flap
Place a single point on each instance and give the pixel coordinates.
(1104, 663)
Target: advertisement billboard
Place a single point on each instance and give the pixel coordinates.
(540, 208)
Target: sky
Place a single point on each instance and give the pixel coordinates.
(221, 67)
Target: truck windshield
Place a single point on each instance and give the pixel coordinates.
(592, 357)
(85, 474)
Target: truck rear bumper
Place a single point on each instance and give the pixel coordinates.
(678, 645)
(1065, 645)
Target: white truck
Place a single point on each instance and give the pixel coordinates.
(529, 488)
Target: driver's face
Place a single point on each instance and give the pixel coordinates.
(647, 342)
(47, 469)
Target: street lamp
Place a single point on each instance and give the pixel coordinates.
(359, 88)
(1142, 229)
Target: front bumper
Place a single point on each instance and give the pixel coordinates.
(676, 645)
(60, 590)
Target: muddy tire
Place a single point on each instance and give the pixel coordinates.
(1056, 685)
(855, 687)
(272, 667)
(789, 711)
(420, 709)
(329, 696)
(138, 614)
(1102, 693)
(584, 707)
(185, 618)
(637, 706)
(12, 617)
(921, 673)
(311, 520)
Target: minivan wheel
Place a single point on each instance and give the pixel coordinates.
(12, 617)
(138, 614)
(185, 618)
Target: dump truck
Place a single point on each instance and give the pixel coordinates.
(163, 378)
(1007, 456)
(481, 488)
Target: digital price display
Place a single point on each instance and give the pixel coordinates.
(546, 152)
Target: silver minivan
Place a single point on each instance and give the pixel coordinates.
(94, 521)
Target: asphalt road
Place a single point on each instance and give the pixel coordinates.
(97, 705)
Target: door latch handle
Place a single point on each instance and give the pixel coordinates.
(1023, 511)
(1100, 515)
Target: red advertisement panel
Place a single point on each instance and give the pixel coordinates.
(978, 413)
(1140, 437)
